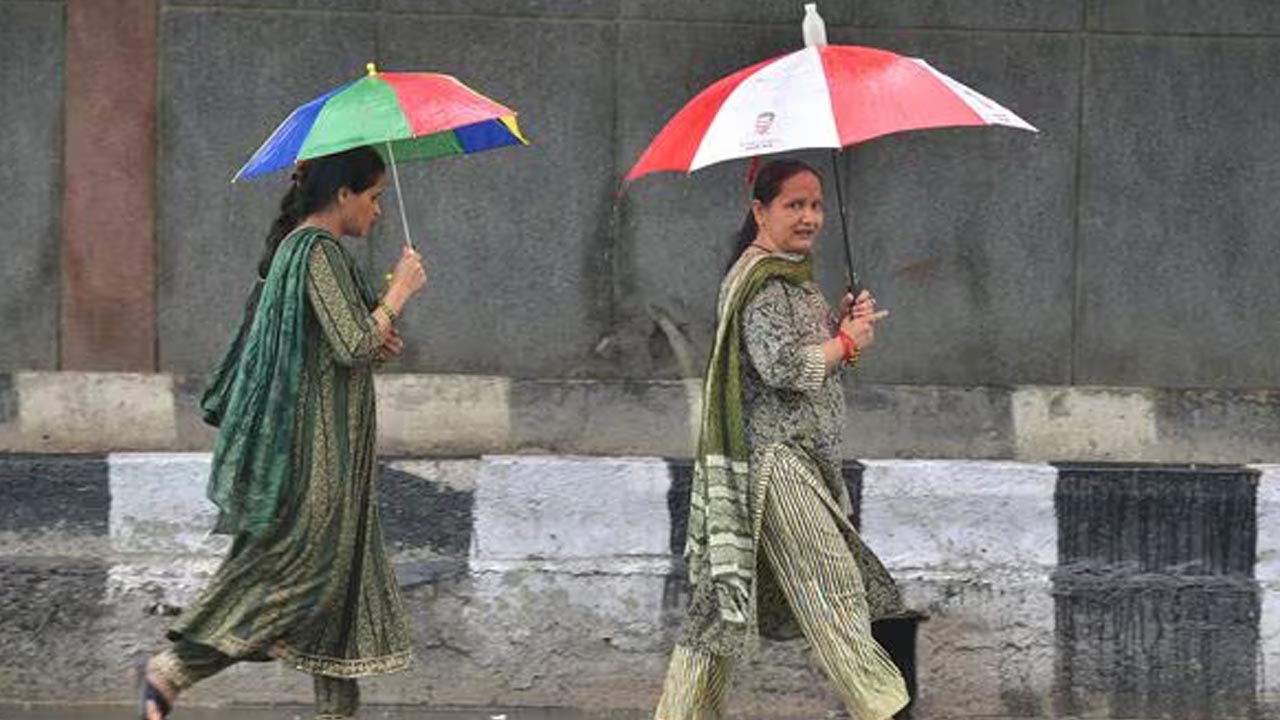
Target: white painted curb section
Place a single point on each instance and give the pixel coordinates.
(572, 514)
(1267, 575)
(974, 545)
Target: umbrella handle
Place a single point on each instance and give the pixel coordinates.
(404, 218)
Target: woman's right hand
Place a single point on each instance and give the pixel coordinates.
(863, 327)
(409, 274)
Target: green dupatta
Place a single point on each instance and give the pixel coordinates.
(253, 394)
(720, 546)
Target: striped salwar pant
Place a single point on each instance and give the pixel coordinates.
(816, 571)
(187, 663)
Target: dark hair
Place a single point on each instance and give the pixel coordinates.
(766, 187)
(316, 183)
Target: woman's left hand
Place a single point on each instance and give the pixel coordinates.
(863, 306)
(392, 346)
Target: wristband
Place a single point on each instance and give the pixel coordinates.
(847, 345)
(851, 350)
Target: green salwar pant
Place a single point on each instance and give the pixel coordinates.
(187, 663)
(819, 578)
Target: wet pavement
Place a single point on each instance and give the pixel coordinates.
(373, 712)
(121, 712)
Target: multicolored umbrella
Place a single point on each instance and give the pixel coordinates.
(406, 116)
(824, 96)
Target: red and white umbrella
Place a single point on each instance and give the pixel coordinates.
(824, 96)
(832, 96)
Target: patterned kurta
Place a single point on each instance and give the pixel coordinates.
(789, 399)
(787, 396)
(769, 510)
(318, 590)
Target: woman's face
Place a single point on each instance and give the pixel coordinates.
(361, 210)
(791, 221)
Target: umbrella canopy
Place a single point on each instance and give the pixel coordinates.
(828, 96)
(408, 116)
(824, 96)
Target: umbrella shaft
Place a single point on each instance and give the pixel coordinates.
(395, 175)
(854, 286)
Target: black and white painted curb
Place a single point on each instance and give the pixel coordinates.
(1128, 590)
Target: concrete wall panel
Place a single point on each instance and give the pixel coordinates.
(224, 87)
(1240, 17)
(349, 5)
(516, 239)
(31, 68)
(602, 9)
(736, 11)
(674, 232)
(966, 234)
(970, 15)
(1180, 187)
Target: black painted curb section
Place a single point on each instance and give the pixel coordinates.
(1156, 609)
(69, 493)
(419, 513)
(8, 399)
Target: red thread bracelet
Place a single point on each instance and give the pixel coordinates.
(846, 342)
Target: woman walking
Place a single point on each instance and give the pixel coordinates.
(769, 544)
(307, 580)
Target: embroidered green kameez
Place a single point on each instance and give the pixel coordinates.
(307, 579)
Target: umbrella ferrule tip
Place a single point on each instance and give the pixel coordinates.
(372, 68)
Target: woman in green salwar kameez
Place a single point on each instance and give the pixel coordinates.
(769, 546)
(307, 580)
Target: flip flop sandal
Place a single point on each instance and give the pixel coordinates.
(149, 693)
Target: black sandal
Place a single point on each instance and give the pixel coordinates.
(148, 692)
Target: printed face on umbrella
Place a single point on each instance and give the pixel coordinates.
(764, 122)
(791, 221)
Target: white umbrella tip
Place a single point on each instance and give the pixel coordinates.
(813, 27)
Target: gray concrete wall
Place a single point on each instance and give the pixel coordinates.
(31, 65)
(1127, 244)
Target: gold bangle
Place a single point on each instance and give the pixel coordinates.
(391, 314)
